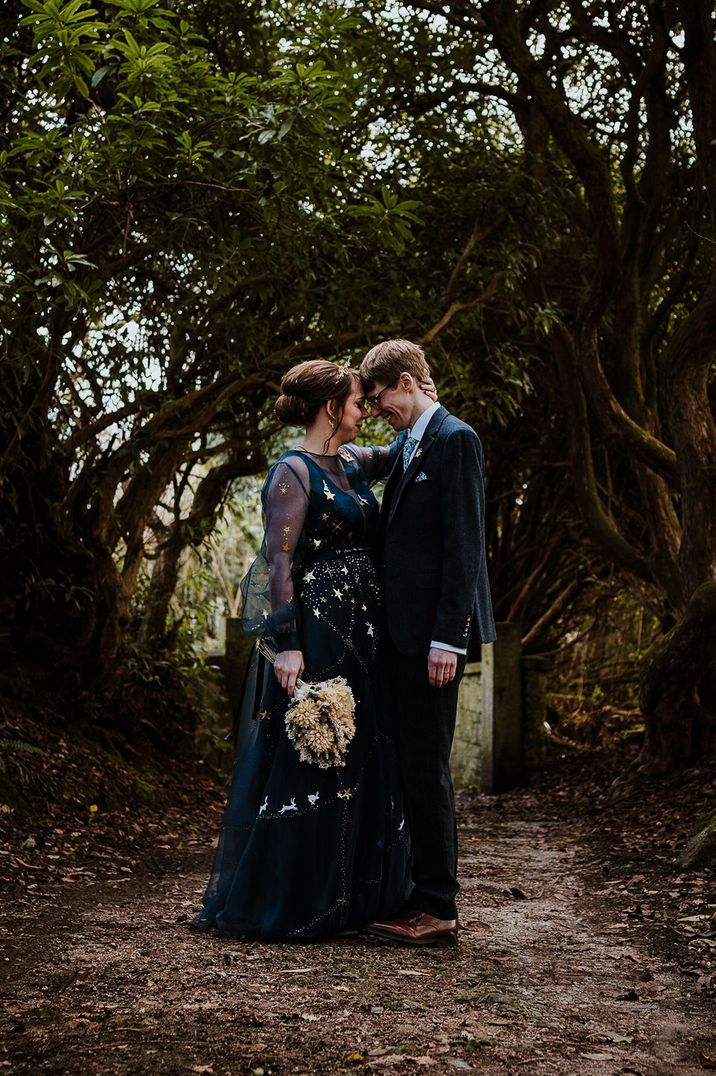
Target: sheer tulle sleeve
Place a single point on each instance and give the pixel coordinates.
(375, 461)
(286, 502)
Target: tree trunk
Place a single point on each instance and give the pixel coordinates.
(701, 849)
(186, 533)
(165, 574)
(62, 601)
(687, 371)
(677, 688)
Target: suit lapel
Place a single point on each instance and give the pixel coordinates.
(402, 480)
(393, 479)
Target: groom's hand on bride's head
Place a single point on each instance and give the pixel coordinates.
(442, 666)
(288, 667)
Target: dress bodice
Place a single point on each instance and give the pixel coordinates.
(340, 508)
(314, 507)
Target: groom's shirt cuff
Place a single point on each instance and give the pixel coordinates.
(446, 646)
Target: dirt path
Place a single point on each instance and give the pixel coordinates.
(556, 972)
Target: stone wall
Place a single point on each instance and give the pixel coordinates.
(467, 745)
(499, 731)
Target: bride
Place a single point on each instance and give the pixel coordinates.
(306, 852)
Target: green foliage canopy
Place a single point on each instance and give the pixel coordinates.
(170, 231)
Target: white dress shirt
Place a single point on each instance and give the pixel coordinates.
(417, 434)
(421, 426)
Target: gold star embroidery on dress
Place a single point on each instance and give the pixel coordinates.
(317, 612)
(370, 628)
(338, 593)
(345, 794)
(316, 542)
(287, 528)
(264, 714)
(283, 488)
(364, 608)
(325, 517)
(309, 576)
(284, 547)
(344, 569)
(329, 496)
(338, 526)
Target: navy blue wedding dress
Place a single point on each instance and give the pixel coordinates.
(306, 852)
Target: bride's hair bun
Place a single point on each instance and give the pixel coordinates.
(291, 409)
(306, 387)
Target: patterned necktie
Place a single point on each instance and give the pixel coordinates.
(408, 446)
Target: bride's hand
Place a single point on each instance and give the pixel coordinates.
(288, 667)
(428, 387)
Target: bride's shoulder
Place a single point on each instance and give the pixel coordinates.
(292, 458)
(350, 455)
(289, 468)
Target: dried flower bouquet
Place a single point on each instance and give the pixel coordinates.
(320, 719)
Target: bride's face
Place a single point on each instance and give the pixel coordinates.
(353, 415)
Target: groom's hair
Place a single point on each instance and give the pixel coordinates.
(388, 360)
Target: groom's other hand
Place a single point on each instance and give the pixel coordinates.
(442, 666)
(428, 387)
(288, 666)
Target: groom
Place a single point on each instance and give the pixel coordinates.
(437, 606)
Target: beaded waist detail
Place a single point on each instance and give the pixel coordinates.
(338, 552)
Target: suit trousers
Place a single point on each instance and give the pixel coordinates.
(424, 727)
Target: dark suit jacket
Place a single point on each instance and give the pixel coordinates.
(435, 581)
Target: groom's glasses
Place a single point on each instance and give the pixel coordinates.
(374, 401)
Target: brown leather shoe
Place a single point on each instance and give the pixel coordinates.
(417, 928)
